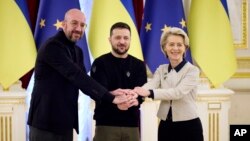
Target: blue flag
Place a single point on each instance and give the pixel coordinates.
(49, 20)
(224, 3)
(159, 16)
(24, 8)
(128, 4)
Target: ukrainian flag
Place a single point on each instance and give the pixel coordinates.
(104, 14)
(211, 40)
(17, 46)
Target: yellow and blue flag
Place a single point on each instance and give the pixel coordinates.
(104, 14)
(128, 4)
(160, 15)
(211, 40)
(224, 3)
(49, 21)
(17, 46)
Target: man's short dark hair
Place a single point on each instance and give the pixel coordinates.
(119, 25)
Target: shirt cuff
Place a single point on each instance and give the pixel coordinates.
(151, 95)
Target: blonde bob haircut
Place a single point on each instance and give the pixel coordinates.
(173, 31)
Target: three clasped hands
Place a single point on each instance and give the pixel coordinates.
(129, 96)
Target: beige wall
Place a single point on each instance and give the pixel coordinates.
(240, 83)
(240, 108)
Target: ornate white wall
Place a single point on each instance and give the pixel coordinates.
(12, 114)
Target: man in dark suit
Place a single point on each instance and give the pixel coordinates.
(59, 74)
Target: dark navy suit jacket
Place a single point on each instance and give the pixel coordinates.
(59, 74)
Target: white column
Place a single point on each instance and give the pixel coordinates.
(12, 114)
(149, 120)
(213, 108)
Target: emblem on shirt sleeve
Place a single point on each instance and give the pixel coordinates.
(128, 74)
(93, 69)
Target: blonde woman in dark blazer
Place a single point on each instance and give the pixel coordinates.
(175, 84)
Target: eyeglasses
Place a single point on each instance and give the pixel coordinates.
(75, 24)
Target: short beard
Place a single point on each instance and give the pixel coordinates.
(71, 36)
(120, 53)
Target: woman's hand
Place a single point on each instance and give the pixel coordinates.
(141, 91)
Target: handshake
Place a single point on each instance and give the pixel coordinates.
(126, 98)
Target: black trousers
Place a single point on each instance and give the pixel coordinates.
(190, 130)
(43, 135)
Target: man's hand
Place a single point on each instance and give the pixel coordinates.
(132, 93)
(118, 92)
(128, 96)
(123, 106)
(120, 99)
(132, 101)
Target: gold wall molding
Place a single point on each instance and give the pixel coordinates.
(244, 26)
(214, 96)
(243, 68)
(13, 97)
(241, 75)
(12, 101)
(214, 105)
(5, 128)
(243, 62)
(214, 133)
(209, 97)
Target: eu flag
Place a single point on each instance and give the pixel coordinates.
(49, 21)
(159, 16)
